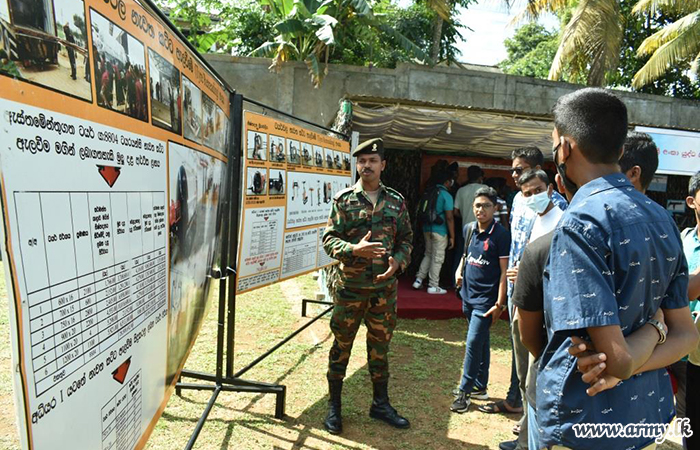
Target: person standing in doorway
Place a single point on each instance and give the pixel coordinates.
(439, 236)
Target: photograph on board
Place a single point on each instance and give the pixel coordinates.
(337, 160)
(195, 184)
(214, 132)
(307, 154)
(293, 151)
(278, 152)
(119, 68)
(277, 181)
(166, 99)
(256, 146)
(192, 110)
(45, 42)
(328, 159)
(318, 156)
(256, 181)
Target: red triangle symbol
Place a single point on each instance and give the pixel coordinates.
(119, 373)
(109, 173)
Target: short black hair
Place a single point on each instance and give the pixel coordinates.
(487, 192)
(474, 173)
(694, 184)
(596, 119)
(442, 176)
(533, 155)
(531, 174)
(640, 150)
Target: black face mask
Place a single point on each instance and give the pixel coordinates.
(561, 170)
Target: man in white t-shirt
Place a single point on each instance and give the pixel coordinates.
(537, 196)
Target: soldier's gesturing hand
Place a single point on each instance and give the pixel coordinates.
(393, 267)
(367, 249)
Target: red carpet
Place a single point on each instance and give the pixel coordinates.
(418, 304)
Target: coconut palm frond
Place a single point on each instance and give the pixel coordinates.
(682, 47)
(536, 8)
(695, 66)
(667, 6)
(668, 33)
(592, 37)
(441, 8)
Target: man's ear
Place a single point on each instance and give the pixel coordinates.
(383, 164)
(690, 201)
(565, 148)
(634, 174)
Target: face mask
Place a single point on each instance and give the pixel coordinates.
(538, 202)
(561, 170)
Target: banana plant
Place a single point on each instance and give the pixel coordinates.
(307, 30)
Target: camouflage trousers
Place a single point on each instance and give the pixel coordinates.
(377, 307)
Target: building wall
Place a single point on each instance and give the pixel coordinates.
(290, 90)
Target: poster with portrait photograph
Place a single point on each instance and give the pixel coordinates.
(166, 97)
(119, 68)
(45, 42)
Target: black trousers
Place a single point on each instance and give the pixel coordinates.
(692, 405)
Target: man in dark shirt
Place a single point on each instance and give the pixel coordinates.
(482, 277)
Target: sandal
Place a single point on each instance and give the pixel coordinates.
(516, 429)
(499, 407)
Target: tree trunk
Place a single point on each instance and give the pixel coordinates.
(437, 37)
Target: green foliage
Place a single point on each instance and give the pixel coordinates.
(531, 51)
(675, 82)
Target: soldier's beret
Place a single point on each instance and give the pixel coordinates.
(371, 147)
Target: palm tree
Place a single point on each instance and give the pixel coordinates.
(590, 41)
(678, 42)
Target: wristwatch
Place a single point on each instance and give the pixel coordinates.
(660, 328)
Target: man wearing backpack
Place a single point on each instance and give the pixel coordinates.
(435, 212)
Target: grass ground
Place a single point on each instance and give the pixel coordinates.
(426, 361)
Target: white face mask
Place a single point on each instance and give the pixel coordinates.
(538, 202)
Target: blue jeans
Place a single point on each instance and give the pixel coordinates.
(533, 432)
(477, 356)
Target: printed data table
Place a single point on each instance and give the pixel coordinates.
(92, 276)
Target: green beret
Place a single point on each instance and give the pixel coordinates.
(372, 147)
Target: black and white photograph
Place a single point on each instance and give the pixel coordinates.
(278, 179)
(278, 151)
(256, 181)
(256, 146)
(166, 97)
(293, 151)
(215, 125)
(337, 160)
(46, 43)
(192, 110)
(119, 68)
(307, 154)
(328, 158)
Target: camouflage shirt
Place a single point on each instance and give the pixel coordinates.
(352, 216)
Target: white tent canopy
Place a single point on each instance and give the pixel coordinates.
(450, 129)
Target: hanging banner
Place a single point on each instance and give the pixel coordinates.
(679, 151)
(290, 176)
(113, 153)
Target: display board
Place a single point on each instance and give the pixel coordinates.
(112, 159)
(679, 151)
(290, 176)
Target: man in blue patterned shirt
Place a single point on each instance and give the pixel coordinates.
(616, 258)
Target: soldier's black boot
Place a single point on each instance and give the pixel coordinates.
(334, 421)
(382, 410)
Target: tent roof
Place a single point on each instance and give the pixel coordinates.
(410, 125)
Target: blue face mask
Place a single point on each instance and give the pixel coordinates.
(538, 202)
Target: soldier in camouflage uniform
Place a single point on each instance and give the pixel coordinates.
(369, 232)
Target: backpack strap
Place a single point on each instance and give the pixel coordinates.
(469, 229)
